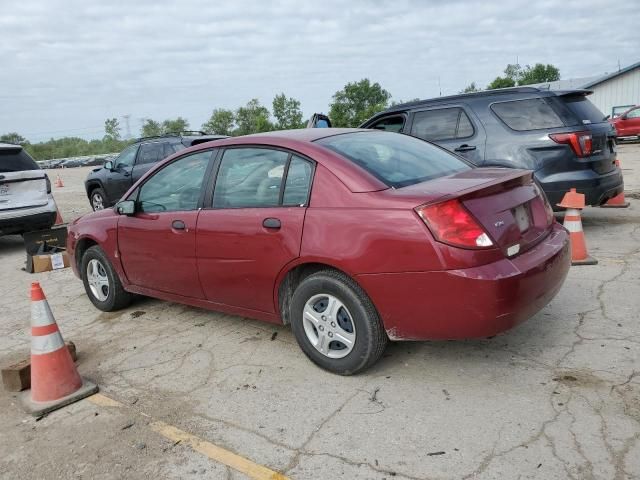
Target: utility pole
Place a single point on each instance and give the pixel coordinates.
(127, 126)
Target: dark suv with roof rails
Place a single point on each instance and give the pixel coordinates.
(107, 184)
(560, 135)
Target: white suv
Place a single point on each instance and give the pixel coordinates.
(26, 202)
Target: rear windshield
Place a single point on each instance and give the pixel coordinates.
(397, 160)
(584, 111)
(16, 160)
(529, 114)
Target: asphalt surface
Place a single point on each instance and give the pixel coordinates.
(558, 397)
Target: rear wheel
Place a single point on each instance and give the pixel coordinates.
(98, 199)
(335, 323)
(101, 282)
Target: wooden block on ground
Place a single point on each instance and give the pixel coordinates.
(17, 377)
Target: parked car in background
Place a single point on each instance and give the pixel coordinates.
(105, 186)
(71, 163)
(628, 123)
(351, 236)
(26, 203)
(560, 135)
(92, 162)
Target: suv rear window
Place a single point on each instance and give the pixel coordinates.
(397, 160)
(529, 114)
(585, 111)
(16, 160)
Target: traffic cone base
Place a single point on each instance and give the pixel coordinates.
(55, 381)
(587, 261)
(616, 202)
(38, 409)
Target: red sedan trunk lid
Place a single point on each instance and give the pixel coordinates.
(506, 203)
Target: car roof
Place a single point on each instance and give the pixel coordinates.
(10, 146)
(306, 134)
(482, 94)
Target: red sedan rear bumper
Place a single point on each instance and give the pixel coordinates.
(471, 303)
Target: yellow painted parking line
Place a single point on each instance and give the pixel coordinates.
(210, 450)
(230, 459)
(103, 401)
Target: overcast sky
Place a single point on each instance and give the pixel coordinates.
(66, 65)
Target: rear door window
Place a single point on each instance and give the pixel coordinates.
(529, 114)
(389, 124)
(441, 124)
(150, 153)
(16, 160)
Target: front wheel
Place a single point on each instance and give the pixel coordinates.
(336, 324)
(101, 281)
(98, 199)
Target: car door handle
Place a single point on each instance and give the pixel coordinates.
(273, 223)
(465, 148)
(178, 225)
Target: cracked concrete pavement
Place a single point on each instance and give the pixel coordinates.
(556, 398)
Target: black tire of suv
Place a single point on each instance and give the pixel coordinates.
(118, 298)
(98, 191)
(371, 337)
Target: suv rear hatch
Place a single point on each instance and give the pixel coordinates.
(506, 204)
(22, 183)
(590, 136)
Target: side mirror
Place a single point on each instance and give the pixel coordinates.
(108, 165)
(126, 207)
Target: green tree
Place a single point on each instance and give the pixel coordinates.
(112, 129)
(151, 128)
(13, 137)
(176, 125)
(220, 123)
(539, 73)
(356, 102)
(287, 112)
(501, 82)
(470, 88)
(252, 118)
(400, 102)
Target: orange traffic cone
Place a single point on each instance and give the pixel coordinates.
(59, 220)
(59, 181)
(55, 381)
(618, 201)
(574, 202)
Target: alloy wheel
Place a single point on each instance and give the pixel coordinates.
(329, 326)
(97, 202)
(98, 280)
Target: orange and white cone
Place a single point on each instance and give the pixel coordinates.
(55, 381)
(618, 201)
(59, 220)
(58, 182)
(574, 202)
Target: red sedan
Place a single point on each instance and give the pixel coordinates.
(353, 237)
(627, 124)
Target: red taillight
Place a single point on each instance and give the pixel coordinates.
(580, 142)
(451, 223)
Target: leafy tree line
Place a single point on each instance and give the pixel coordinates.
(516, 75)
(349, 107)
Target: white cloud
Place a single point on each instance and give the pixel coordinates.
(67, 65)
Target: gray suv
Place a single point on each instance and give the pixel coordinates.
(107, 184)
(560, 135)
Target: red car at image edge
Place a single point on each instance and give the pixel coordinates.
(353, 237)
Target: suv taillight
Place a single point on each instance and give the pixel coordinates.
(451, 223)
(580, 142)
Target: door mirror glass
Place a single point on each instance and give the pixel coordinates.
(126, 207)
(108, 165)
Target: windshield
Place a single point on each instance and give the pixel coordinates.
(397, 160)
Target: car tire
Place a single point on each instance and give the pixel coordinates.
(336, 324)
(98, 199)
(101, 281)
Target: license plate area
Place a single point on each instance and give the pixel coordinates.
(522, 217)
(4, 189)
